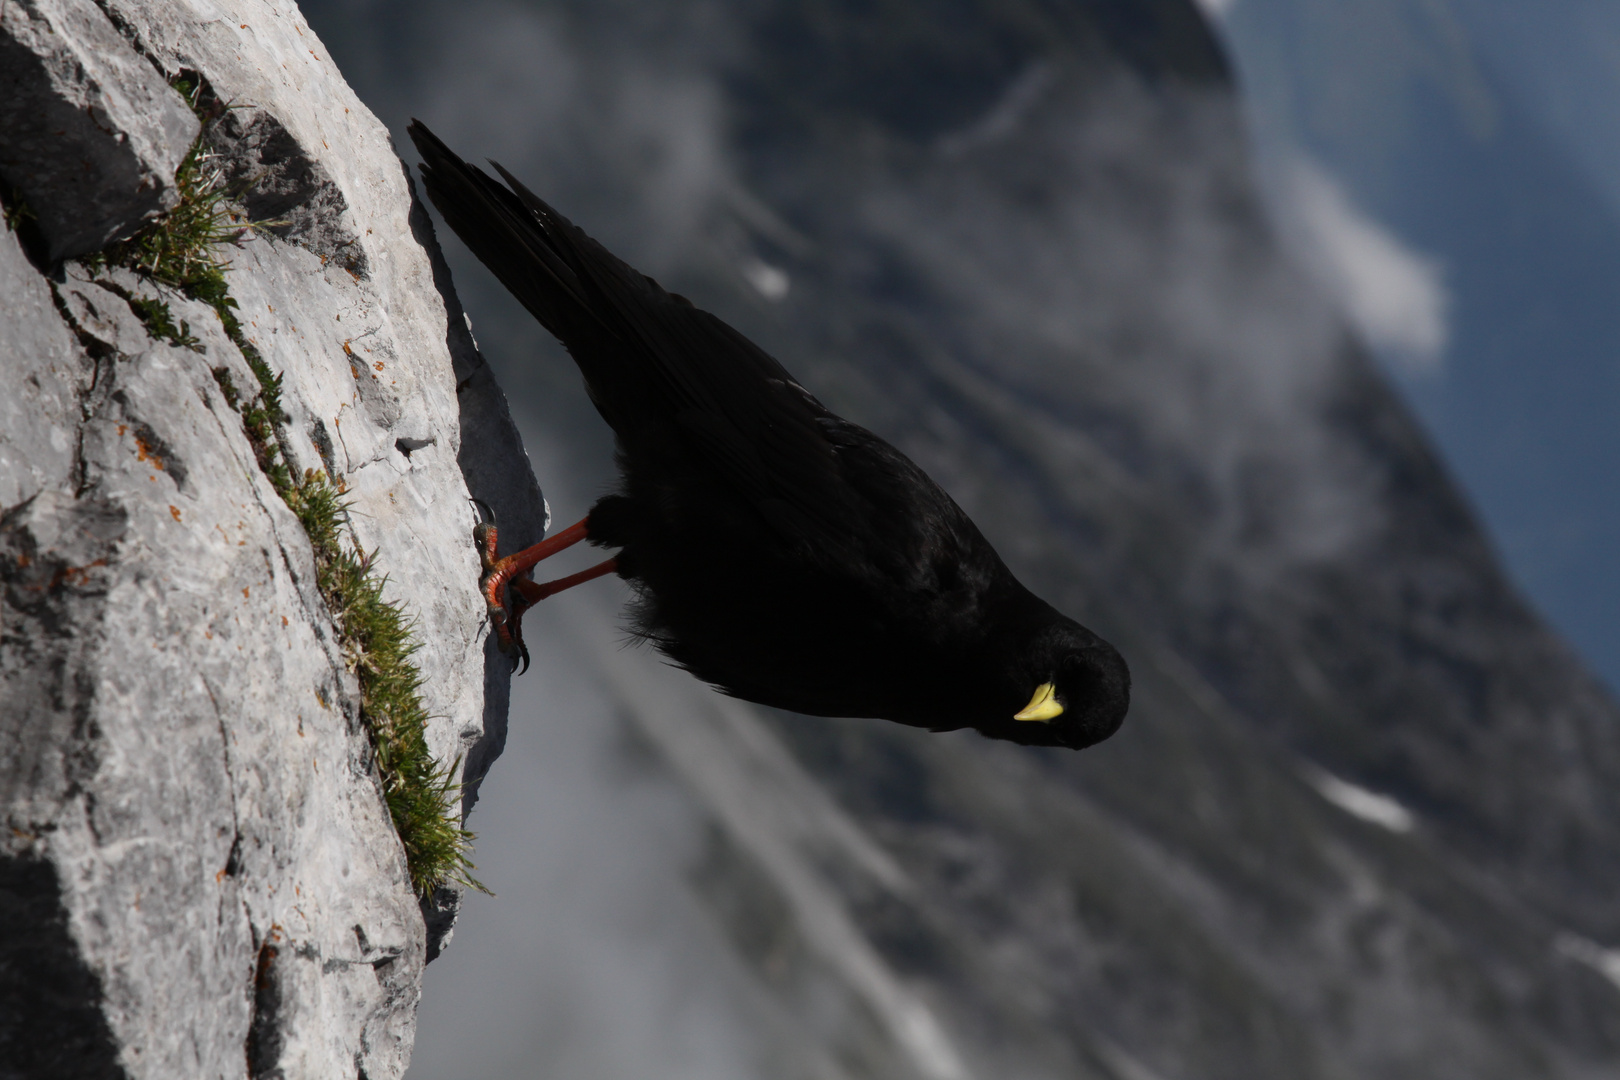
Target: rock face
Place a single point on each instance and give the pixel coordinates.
(89, 131)
(199, 875)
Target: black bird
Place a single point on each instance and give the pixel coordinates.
(779, 552)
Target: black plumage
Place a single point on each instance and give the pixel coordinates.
(780, 552)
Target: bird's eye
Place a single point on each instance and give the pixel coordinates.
(1043, 705)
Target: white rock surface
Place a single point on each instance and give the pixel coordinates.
(199, 876)
(89, 131)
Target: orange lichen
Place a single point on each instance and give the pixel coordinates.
(144, 452)
(72, 575)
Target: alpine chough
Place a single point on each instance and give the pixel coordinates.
(779, 552)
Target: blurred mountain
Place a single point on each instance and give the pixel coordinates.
(1485, 134)
(1363, 819)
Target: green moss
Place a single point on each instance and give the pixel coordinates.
(261, 414)
(180, 250)
(13, 209)
(159, 322)
(379, 643)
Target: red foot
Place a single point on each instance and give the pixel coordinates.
(498, 574)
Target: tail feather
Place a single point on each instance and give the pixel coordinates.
(680, 388)
(510, 238)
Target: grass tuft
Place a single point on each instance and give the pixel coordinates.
(378, 641)
(180, 250)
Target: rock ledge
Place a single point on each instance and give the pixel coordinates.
(200, 877)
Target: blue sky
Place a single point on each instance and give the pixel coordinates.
(1451, 171)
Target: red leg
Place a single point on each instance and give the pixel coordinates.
(498, 573)
(535, 591)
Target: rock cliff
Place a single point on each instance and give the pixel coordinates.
(200, 873)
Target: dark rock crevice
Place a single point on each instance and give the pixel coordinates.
(265, 1030)
(284, 190)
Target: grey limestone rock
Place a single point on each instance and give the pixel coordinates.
(90, 133)
(198, 873)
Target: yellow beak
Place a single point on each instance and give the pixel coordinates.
(1043, 706)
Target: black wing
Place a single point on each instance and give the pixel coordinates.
(651, 359)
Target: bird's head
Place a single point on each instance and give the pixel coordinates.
(1071, 688)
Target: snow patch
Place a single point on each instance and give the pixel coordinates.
(1605, 962)
(1358, 802)
(769, 281)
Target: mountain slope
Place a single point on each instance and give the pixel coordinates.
(1360, 822)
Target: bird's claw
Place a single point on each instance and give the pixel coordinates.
(507, 590)
(508, 626)
(484, 539)
(506, 621)
(519, 606)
